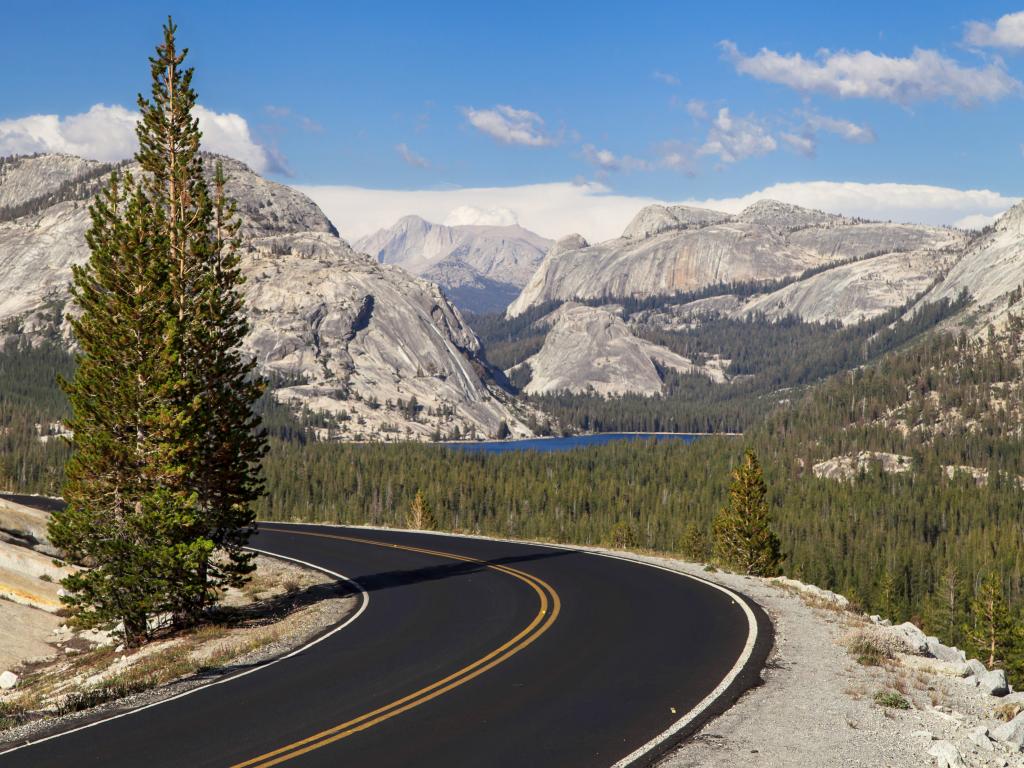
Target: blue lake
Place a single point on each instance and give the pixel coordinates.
(554, 444)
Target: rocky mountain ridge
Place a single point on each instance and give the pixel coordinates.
(496, 260)
(591, 349)
(991, 270)
(674, 249)
(382, 350)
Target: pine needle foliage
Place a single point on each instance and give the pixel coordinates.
(991, 632)
(743, 536)
(167, 447)
(421, 516)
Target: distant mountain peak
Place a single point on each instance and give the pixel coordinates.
(655, 219)
(779, 214)
(497, 259)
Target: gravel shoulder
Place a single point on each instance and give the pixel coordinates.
(817, 706)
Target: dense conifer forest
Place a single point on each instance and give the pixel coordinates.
(770, 361)
(893, 542)
(913, 545)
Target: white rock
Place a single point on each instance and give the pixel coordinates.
(8, 680)
(912, 637)
(988, 270)
(348, 328)
(1011, 733)
(458, 256)
(591, 348)
(976, 667)
(993, 683)
(945, 652)
(947, 755)
(980, 737)
(666, 250)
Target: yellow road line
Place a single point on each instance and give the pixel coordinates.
(550, 606)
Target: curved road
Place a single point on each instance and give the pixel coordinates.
(466, 652)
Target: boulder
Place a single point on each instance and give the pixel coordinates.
(912, 637)
(1011, 733)
(945, 652)
(993, 683)
(947, 755)
(976, 667)
(8, 680)
(980, 738)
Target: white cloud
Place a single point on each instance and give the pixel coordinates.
(556, 209)
(103, 133)
(697, 109)
(1007, 32)
(665, 77)
(924, 76)
(860, 134)
(976, 220)
(510, 125)
(804, 145)
(107, 133)
(466, 215)
(410, 157)
(736, 138)
(552, 210)
(606, 160)
(228, 134)
(921, 203)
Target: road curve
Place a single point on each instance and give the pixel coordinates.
(467, 652)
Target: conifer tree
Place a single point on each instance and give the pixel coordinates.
(693, 544)
(990, 632)
(217, 385)
(886, 602)
(120, 482)
(421, 516)
(167, 443)
(743, 537)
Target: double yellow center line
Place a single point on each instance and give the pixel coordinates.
(547, 613)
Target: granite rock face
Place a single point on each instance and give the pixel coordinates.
(348, 335)
(500, 259)
(592, 349)
(666, 250)
(990, 269)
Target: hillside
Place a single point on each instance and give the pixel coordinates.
(481, 268)
(991, 270)
(666, 251)
(384, 352)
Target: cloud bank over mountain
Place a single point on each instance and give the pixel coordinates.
(559, 208)
(107, 133)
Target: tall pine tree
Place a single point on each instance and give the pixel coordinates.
(743, 537)
(122, 481)
(200, 440)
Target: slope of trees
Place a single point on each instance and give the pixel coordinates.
(771, 360)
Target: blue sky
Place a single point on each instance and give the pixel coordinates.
(618, 101)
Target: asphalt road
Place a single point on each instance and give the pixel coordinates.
(466, 652)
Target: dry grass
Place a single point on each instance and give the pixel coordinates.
(81, 681)
(1006, 712)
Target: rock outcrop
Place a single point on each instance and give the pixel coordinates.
(494, 261)
(346, 334)
(592, 349)
(991, 269)
(667, 250)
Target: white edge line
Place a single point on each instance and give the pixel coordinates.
(208, 686)
(694, 712)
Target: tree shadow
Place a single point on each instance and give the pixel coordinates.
(375, 582)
